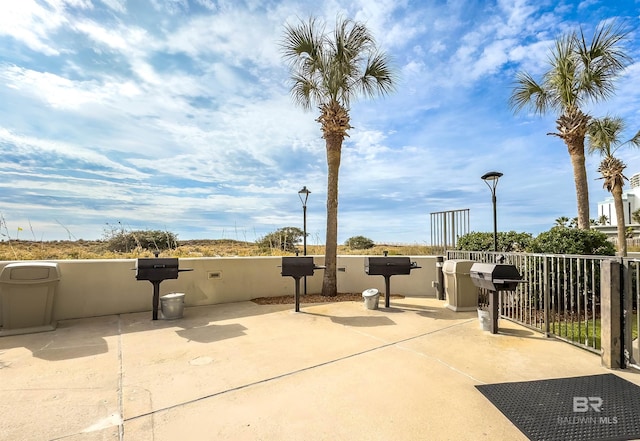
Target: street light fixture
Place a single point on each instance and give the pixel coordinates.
(304, 195)
(491, 179)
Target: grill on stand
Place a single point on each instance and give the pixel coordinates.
(298, 267)
(155, 270)
(387, 267)
(495, 277)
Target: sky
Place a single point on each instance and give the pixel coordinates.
(177, 115)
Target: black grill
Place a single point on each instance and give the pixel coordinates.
(387, 267)
(495, 277)
(155, 270)
(298, 267)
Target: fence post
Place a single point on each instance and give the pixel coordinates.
(546, 297)
(610, 313)
(627, 312)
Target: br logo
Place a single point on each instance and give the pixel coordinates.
(585, 404)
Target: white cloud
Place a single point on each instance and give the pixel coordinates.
(116, 5)
(34, 147)
(183, 117)
(129, 40)
(30, 23)
(171, 6)
(62, 93)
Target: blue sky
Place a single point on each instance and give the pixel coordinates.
(176, 115)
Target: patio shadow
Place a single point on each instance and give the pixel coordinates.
(212, 333)
(363, 321)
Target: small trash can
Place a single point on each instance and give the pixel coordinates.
(27, 292)
(485, 319)
(172, 305)
(371, 298)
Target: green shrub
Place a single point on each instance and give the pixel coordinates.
(284, 239)
(359, 243)
(152, 240)
(563, 240)
(507, 242)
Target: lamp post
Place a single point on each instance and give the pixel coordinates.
(491, 179)
(304, 195)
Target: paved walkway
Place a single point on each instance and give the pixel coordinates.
(243, 371)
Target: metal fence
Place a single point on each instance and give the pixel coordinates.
(632, 317)
(561, 296)
(447, 227)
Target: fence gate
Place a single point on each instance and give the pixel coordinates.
(630, 318)
(447, 227)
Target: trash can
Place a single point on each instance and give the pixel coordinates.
(27, 292)
(371, 298)
(461, 293)
(172, 306)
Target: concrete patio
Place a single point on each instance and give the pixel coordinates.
(241, 371)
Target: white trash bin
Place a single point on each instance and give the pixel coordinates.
(172, 305)
(27, 291)
(371, 298)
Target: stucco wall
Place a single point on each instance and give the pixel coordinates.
(90, 288)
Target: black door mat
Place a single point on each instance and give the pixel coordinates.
(594, 407)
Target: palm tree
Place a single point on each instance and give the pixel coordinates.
(561, 221)
(579, 72)
(329, 70)
(603, 136)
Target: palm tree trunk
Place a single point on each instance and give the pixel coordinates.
(334, 148)
(582, 187)
(616, 192)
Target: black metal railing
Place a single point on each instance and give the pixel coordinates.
(561, 296)
(632, 317)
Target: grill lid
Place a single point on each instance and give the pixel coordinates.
(495, 271)
(388, 266)
(157, 269)
(157, 262)
(299, 266)
(495, 276)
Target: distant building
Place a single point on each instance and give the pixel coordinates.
(630, 202)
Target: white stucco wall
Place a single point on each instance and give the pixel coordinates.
(90, 288)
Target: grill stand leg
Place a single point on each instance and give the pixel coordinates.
(493, 311)
(297, 295)
(156, 298)
(387, 287)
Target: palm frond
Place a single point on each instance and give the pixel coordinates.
(560, 80)
(351, 40)
(334, 67)
(579, 71)
(528, 93)
(601, 61)
(378, 77)
(635, 141)
(603, 135)
(302, 43)
(305, 91)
